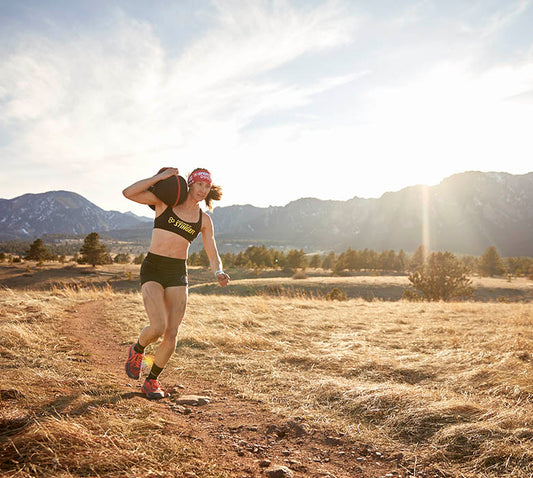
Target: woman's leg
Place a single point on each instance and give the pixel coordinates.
(175, 300)
(156, 309)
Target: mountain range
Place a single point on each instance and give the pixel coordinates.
(465, 213)
(58, 212)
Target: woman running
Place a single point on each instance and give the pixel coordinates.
(164, 271)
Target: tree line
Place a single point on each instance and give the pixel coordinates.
(94, 252)
(260, 257)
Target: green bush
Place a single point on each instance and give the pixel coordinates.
(122, 258)
(442, 278)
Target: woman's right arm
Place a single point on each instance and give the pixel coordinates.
(138, 191)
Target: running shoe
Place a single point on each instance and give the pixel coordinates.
(134, 363)
(152, 389)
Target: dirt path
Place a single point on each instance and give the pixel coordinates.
(241, 436)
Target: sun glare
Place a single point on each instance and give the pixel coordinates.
(424, 193)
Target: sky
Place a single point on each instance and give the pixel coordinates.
(280, 99)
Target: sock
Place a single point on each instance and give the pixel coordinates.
(154, 373)
(138, 348)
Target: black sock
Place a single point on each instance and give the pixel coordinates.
(154, 372)
(138, 348)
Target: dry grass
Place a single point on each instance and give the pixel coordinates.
(58, 418)
(450, 384)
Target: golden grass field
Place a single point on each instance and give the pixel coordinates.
(444, 388)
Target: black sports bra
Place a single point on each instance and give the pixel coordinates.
(169, 221)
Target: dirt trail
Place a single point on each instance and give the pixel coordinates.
(240, 436)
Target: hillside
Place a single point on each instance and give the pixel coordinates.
(58, 212)
(465, 213)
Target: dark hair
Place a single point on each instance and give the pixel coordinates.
(215, 194)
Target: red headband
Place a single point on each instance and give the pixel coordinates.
(201, 175)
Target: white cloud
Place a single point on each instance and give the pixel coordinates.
(99, 105)
(504, 17)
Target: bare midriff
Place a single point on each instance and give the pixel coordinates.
(169, 244)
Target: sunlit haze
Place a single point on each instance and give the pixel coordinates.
(279, 99)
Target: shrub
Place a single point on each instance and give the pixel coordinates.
(139, 259)
(443, 278)
(412, 296)
(122, 258)
(336, 294)
(300, 275)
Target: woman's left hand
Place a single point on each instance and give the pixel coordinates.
(223, 279)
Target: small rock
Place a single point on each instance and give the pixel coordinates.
(194, 400)
(279, 472)
(293, 427)
(299, 429)
(175, 389)
(272, 430)
(265, 463)
(181, 409)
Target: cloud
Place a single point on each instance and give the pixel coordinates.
(113, 98)
(504, 18)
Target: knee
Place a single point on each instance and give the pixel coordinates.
(158, 331)
(170, 334)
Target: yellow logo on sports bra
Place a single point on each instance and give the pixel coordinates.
(181, 225)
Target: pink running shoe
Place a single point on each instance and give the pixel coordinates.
(152, 389)
(134, 363)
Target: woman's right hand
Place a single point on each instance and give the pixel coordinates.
(167, 173)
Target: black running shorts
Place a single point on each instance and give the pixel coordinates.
(167, 271)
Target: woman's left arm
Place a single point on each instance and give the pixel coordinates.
(208, 237)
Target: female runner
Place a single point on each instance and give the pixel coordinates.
(164, 271)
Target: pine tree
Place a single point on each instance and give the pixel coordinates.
(296, 259)
(203, 258)
(329, 261)
(315, 261)
(418, 260)
(92, 251)
(491, 263)
(38, 251)
(401, 261)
